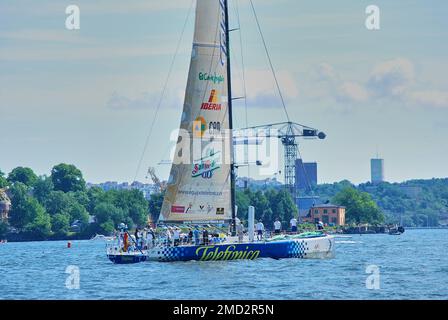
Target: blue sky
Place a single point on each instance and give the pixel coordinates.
(87, 97)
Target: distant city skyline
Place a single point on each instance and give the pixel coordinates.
(88, 97)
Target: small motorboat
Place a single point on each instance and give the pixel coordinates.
(396, 231)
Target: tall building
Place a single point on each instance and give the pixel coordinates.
(306, 174)
(377, 170)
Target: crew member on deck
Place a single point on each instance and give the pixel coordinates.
(260, 229)
(169, 236)
(240, 231)
(196, 235)
(150, 238)
(293, 223)
(205, 237)
(320, 225)
(190, 236)
(176, 236)
(277, 226)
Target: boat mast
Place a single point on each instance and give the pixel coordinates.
(229, 97)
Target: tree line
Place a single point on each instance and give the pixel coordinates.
(60, 205)
(413, 203)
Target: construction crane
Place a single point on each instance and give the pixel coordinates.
(287, 132)
(152, 174)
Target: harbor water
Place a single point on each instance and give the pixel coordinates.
(413, 265)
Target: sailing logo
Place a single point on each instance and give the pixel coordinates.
(213, 102)
(223, 33)
(199, 127)
(216, 79)
(204, 168)
(219, 210)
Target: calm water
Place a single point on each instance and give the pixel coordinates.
(412, 266)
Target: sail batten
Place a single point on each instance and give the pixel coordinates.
(199, 186)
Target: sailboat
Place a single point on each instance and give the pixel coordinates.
(201, 185)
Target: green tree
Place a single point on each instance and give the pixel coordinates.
(40, 225)
(242, 199)
(20, 215)
(262, 207)
(133, 204)
(3, 182)
(155, 205)
(360, 208)
(107, 227)
(60, 223)
(107, 212)
(95, 195)
(283, 207)
(66, 177)
(23, 175)
(3, 229)
(43, 188)
(27, 214)
(58, 202)
(78, 212)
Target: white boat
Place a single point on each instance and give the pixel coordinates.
(201, 186)
(101, 237)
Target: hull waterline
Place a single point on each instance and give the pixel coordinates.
(308, 248)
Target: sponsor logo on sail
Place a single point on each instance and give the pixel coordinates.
(199, 127)
(213, 102)
(219, 210)
(214, 127)
(209, 208)
(216, 79)
(204, 167)
(177, 209)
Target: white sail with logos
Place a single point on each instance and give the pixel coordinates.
(199, 186)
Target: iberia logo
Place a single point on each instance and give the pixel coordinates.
(213, 102)
(199, 127)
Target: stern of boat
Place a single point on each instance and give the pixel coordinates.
(320, 247)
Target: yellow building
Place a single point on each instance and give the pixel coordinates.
(329, 214)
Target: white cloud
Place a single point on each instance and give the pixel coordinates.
(261, 89)
(338, 88)
(326, 72)
(96, 7)
(438, 99)
(146, 100)
(43, 35)
(351, 91)
(391, 78)
(107, 51)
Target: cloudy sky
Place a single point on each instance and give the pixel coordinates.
(88, 96)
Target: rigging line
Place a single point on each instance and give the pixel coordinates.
(269, 58)
(163, 91)
(244, 77)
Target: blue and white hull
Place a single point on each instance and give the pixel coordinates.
(305, 248)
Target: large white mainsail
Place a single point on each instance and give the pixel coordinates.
(199, 186)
